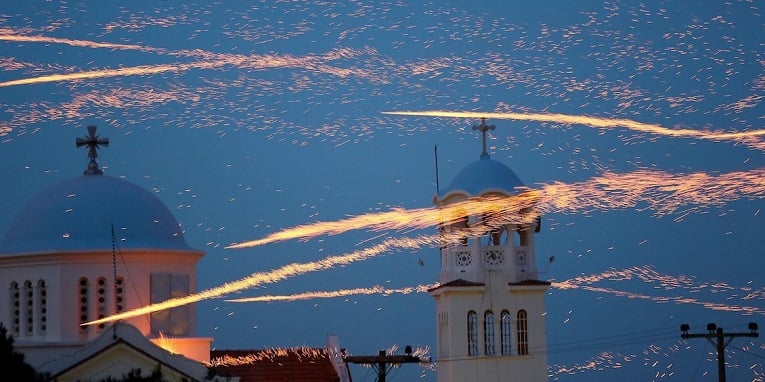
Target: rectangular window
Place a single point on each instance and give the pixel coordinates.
(175, 321)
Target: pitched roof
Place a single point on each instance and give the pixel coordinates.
(124, 337)
(530, 282)
(275, 365)
(457, 283)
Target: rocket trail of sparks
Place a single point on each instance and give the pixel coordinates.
(649, 275)
(596, 122)
(377, 289)
(131, 71)
(8, 35)
(663, 192)
(207, 60)
(260, 278)
(645, 274)
(390, 220)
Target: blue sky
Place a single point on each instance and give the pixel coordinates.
(247, 118)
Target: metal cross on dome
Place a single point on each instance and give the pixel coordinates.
(93, 142)
(484, 128)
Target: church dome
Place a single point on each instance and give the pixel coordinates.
(80, 214)
(483, 176)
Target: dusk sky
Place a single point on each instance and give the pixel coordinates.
(251, 118)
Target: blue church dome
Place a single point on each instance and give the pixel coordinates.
(80, 213)
(482, 176)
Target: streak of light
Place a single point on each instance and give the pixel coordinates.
(667, 282)
(597, 122)
(395, 219)
(663, 192)
(260, 278)
(645, 274)
(377, 289)
(660, 191)
(6, 36)
(207, 60)
(141, 70)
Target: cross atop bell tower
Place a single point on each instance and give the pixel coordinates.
(93, 142)
(483, 127)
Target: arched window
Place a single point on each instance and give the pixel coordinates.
(101, 298)
(15, 309)
(83, 303)
(472, 333)
(42, 307)
(488, 333)
(505, 321)
(29, 304)
(523, 333)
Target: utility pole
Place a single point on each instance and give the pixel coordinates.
(720, 339)
(383, 362)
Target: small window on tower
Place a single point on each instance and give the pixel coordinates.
(83, 303)
(42, 307)
(174, 322)
(29, 304)
(15, 309)
(102, 303)
(119, 295)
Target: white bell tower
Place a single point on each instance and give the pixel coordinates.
(490, 315)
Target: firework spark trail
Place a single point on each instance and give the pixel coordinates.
(207, 60)
(395, 219)
(649, 275)
(312, 63)
(747, 310)
(287, 271)
(10, 35)
(747, 137)
(645, 274)
(142, 70)
(377, 289)
(660, 191)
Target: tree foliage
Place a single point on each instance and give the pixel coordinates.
(12, 363)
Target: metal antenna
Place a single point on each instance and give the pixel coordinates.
(483, 127)
(435, 149)
(93, 142)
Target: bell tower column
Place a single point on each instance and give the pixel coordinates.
(489, 304)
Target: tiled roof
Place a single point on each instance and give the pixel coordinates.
(275, 365)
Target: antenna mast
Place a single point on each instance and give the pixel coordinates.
(435, 149)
